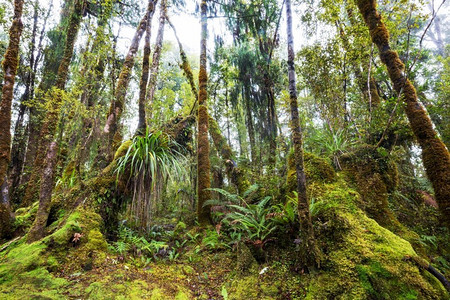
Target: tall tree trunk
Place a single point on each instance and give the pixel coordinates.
(156, 57)
(53, 56)
(436, 158)
(10, 63)
(37, 230)
(271, 120)
(19, 144)
(203, 164)
(145, 70)
(55, 97)
(250, 125)
(310, 255)
(111, 129)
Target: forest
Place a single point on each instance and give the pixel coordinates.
(224, 149)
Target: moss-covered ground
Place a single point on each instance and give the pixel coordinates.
(360, 258)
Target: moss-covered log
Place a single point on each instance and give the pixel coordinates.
(436, 158)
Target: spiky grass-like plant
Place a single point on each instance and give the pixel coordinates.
(149, 160)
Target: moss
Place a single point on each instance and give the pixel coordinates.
(317, 170)
(375, 176)
(203, 166)
(436, 157)
(365, 260)
(246, 262)
(96, 241)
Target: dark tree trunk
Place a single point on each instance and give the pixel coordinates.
(145, 70)
(310, 255)
(111, 129)
(234, 173)
(156, 57)
(53, 56)
(203, 164)
(436, 158)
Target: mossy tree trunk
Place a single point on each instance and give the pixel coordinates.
(203, 164)
(156, 57)
(19, 145)
(310, 255)
(235, 174)
(10, 63)
(52, 59)
(37, 230)
(111, 129)
(436, 158)
(92, 89)
(145, 70)
(55, 96)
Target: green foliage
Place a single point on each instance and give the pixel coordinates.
(331, 143)
(146, 164)
(154, 154)
(253, 221)
(129, 240)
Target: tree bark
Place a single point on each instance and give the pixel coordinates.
(55, 96)
(10, 63)
(310, 256)
(234, 173)
(203, 164)
(37, 230)
(145, 70)
(156, 57)
(436, 158)
(111, 129)
(19, 144)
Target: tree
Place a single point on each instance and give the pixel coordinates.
(10, 63)
(203, 164)
(111, 129)
(310, 255)
(48, 147)
(156, 56)
(436, 158)
(145, 70)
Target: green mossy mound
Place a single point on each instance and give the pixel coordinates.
(374, 176)
(362, 260)
(365, 260)
(317, 171)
